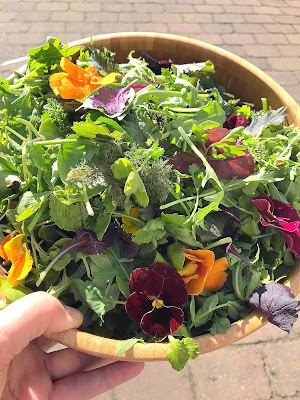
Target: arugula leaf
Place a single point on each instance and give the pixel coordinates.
(29, 204)
(220, 325)
(204, 314)
(176, 256)
(126, 345)
(89, 129)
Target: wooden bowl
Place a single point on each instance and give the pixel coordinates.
(246, 82)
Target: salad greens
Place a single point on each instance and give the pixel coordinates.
(146, 196)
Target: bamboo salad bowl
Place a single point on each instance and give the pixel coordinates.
(246, 82)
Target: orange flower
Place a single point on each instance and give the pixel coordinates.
(202, 272)
(11, 248)
(76, 82)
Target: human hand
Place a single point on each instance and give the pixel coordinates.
(27, 372)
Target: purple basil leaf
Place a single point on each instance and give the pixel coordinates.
(277, 303)
(86, 242)
(113, 101)
(128, 248)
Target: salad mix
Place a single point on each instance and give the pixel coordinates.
(146, 196)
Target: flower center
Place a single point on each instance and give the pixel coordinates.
(157, 303)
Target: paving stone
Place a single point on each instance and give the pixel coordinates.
(117, 7)
(223, 18)
(237, 9)
(269, 39)
(217, 28)
(52, 6)
(286, 19)
(249, 2)
(238, 50)
(185, 28)
(261, 50)
(290, 10)
(293, 3)
(283, 78)
(151, 8)
(261, 63)
(259, 18)
(283, 366)
(133, 17)
(266, 10)
(280, 64)
(249, 28)
(167, 18)
(209, 9)
(289, 50)
(208, 38)
(158, 380)
(150, 27)
(294, 39)
(239, 38)
(279, 28)
(229, 374)
(197, 18)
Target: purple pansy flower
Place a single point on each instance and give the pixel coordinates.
(156, 295)
(234, 121)
(283, 217)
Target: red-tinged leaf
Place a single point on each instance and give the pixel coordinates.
(113, 101)
(277, 303)
(182, 161)
(228, 168)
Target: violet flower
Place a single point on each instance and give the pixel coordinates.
(283, 217)
(156, 295)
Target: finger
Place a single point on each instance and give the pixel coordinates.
(86, 385)
(30, 317)
(45, 343)
(66, 362)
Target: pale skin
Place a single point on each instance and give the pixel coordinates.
(27, 372)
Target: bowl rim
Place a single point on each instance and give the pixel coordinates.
(106, 347)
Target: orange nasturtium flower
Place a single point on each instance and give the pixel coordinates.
(76, 82)
(128, 224)
(11, 248)
(202, 272)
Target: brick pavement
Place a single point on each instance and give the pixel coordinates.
(265, 365)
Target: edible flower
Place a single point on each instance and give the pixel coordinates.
(128, 225)
(76, 82)
(226, 168)
(202, 272)
(156, 295)
(235, 121)
(283, 217)
(11, 248)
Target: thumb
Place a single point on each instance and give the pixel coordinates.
(30, 317)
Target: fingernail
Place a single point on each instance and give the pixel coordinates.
(75, 314)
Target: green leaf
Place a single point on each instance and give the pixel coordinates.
(134, 185)
(12, 293)
(178, 354)
(96, 298)
(123, 285)
(29, 204)
(69, 217)
(48, 130)
(205, 312)
(220, 325)
(101, 224)
(192, 347)
(89, 129)
(126, 345)
(176, 256)
(122, 168)
(152, 230)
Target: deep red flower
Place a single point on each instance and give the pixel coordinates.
(283, 217)
(234, 121)
(225, 168)
(156, 294)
